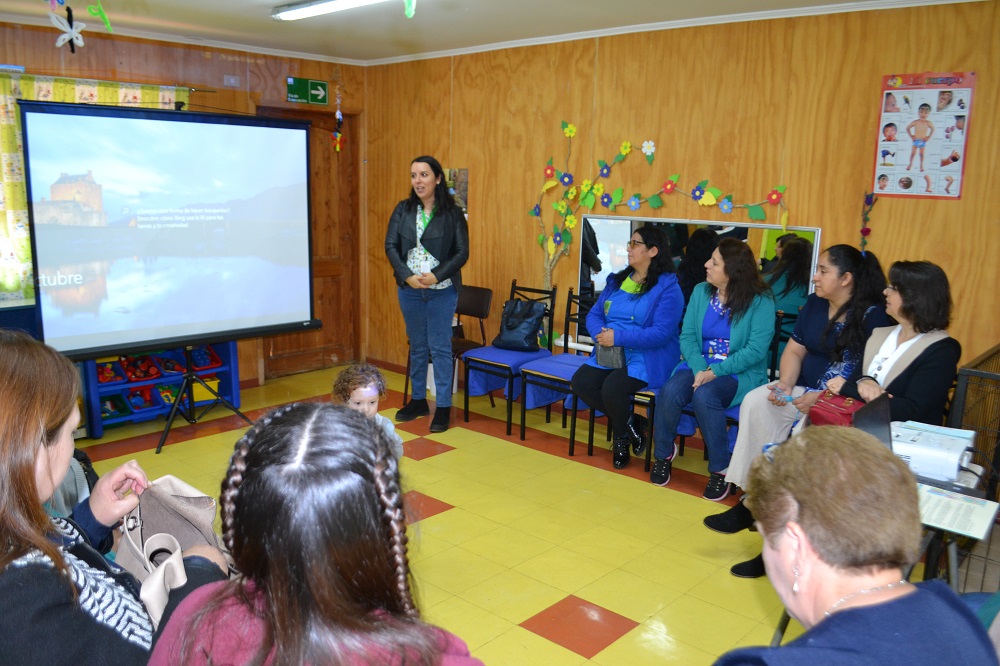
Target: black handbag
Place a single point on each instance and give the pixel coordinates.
(519, 325)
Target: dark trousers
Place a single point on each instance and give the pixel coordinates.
(608, 391)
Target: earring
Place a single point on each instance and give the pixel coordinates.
(795, 584)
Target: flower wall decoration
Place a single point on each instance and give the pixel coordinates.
(591, 192)
(870, 200)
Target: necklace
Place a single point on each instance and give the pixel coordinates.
(867, 590)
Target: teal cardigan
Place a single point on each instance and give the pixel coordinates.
(749, 341)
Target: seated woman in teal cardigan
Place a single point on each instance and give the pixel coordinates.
(725, 338)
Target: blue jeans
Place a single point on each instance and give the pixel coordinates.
(709, 403)
(428, 314)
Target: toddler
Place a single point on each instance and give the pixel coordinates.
(360, 387)
(920, 130)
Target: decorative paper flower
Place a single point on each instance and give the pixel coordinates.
(566, 179)
(634, 203)
(557, 239)
(865, 231)
(626, 147)
(605, 171)
(561, 207)
(870, 199)
(606, 200)
(726, 206)
(570, 131)
(648, 148)
(698, 192)
(598, 189)
(550, 171)
(570, 221)
(669, 186)
(774, 197)
(586, 186)
(571, 193)
(536, 211)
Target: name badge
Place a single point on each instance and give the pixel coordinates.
(425, 267)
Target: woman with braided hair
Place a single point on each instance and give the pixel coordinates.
(312, 514)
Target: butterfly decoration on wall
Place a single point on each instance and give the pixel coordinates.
(71, 31)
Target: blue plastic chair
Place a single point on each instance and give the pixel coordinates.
(490, 368)
(548, 380)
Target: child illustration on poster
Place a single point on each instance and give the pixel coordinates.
(922, 135)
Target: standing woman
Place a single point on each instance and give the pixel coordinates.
(639, 309)
(427, 244)
(727, 329)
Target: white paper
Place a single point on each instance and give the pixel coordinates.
(955, 513)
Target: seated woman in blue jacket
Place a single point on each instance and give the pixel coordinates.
(727, 331)
(640, 310)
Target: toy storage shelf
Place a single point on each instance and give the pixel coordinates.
(149, 391)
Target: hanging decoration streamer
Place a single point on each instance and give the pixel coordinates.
(98, 11)
(870, 200)
(71, 31)
(410, 6)
(338, 135)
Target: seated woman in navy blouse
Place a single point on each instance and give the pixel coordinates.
(727, 329)
(836, 556)
(640, 310)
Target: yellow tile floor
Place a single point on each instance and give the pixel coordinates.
(529, 529)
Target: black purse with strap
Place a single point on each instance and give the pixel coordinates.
(519, 325)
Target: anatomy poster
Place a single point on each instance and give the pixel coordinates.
(923, 135)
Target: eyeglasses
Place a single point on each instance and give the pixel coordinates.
(890, 287)
(632, 243)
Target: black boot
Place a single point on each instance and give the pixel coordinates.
(619, 452)
(636, 433)
(750, 569)
(736, 519)
(441, 420)
(413, 409)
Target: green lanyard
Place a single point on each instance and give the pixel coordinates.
(424, 219)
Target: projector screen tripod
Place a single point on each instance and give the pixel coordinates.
(185, 394)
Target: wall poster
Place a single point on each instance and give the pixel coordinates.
(923, 135)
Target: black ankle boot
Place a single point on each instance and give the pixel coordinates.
(750, 569)
(636, 434)
(441, 420)
(619, 452)
(413, 409)
(736, 519)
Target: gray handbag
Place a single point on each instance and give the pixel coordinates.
(610, 357)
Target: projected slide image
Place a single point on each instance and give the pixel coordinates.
(146, 229)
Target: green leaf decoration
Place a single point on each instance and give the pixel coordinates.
(616, 196)
(555, 206)
(649, 158)
(567, 237)
(541, 240)
(549, 163)
(756, 213)
(602, 163)
(729, 197)
(780, 188)
(716, 192)
(565, 124)
(589, 201)
(531, 212)
(703, 184)
(618, 158)
(674, 177)
(559, 174)
(555, 230)
(655, 201)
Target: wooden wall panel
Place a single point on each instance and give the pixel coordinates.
(748, 106)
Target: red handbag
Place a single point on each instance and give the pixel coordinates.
(833, 409)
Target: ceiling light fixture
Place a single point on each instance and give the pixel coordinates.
(301, 10)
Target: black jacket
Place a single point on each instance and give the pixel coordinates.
(446, 238)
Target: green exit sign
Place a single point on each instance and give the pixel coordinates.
(307, 91)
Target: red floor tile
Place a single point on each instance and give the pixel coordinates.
(421, 448)
(580, 626)
(419, 506)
